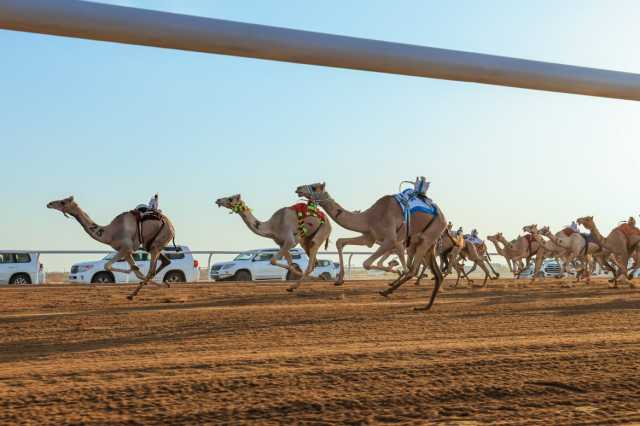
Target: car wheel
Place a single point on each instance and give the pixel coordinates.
(325, 276)
(20, 279)
(174, 277)
(102, 278)
(242, 276)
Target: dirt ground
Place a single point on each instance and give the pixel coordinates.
(252, 353)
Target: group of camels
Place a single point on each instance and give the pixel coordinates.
(427, 241)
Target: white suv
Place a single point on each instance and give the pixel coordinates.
(256, 265)
(183, 268)
(21, 267)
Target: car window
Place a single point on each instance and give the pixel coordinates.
(23, 258)
(244, 256)
(141, 256)
(174, 253)
(296, 255)
(263, 256)
(6, 257)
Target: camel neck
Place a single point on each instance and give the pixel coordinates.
(95, 231)
(257, 227)
(499, 249)
(596, 234)
(352, 221)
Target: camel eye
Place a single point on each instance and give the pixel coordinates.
(63, 202)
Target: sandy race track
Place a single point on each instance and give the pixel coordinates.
(251, 353)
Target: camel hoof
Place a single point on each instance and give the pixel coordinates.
(290, 290)
(130, 297)
(383, 294)
(338, 283)
(421, 309)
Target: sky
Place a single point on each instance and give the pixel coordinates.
(112, 124)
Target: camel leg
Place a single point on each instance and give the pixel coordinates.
(538, 266)
(622, 272)
(433, 265)
(385, 246)
(362, 240)
(488, 262)
(422, 275)
(284, 252)
(120, 256)
(312, 252)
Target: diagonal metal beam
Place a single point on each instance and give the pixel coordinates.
(96, 21)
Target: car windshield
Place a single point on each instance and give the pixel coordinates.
(109, 256)
(244, 256)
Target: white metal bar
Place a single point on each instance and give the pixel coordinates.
(95, 21)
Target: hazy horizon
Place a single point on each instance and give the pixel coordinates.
(112, 124)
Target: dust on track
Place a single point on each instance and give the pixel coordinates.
(252, 353)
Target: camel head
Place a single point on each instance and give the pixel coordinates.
(233, 203)
(532, 229)
(313, 192)
(545, 231)
(586, 221)
(494, 238)
(66, 206)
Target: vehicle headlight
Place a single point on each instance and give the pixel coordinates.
(227, 266)
(84, 268)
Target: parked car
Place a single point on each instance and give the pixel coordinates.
(326, 270)
(21, 267)
(549, 268)
(256, 265)
(183, 268)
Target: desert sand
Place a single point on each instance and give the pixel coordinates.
(233, 353)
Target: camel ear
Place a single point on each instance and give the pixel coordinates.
(322, 185)
(71, 198)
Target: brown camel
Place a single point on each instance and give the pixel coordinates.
(621, 243)
(383, 223)
(576, 246)
(287, 228)
(523, 247)
(125, 237)
(500, 250)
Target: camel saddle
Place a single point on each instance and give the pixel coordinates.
(305, 210)
(568, 231)
(629, 230)
(143, 216)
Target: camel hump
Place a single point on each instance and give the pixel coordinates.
(629, 230)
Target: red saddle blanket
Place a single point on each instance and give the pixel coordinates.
(304, 210)
(629, 230)
(568, 232)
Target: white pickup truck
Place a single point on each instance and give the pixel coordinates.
(256, 265)
(183, 268)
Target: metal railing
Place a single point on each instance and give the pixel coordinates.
(210, 254)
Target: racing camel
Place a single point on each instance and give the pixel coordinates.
(128, 232)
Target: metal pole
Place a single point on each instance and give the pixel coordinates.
(95, 21)
(350, 256)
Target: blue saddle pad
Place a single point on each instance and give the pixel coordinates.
(410, 203)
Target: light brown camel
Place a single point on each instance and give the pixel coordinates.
(621, 242)
(125, 237)
(576, 246)
(479, 255)
(286, 228)
(500, 250)
(523, 247)
(383, 223)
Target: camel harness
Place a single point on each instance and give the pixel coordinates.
(305, 210)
